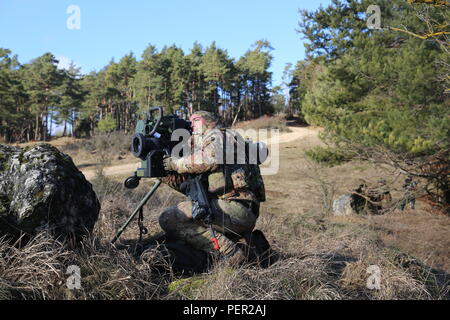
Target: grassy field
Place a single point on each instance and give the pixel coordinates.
(323, 257)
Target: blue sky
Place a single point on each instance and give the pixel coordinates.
(111, 29)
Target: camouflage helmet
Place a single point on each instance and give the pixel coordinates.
(210, 118)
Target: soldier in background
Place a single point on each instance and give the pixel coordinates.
(381, 195)
(372, 199)
(235, 191)
(409, 198)
(359, 197)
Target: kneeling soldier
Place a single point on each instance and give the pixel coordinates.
(235, 191)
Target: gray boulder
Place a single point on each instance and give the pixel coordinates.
(344, 206)
(41, 189)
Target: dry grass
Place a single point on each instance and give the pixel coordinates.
(423, 234)
(323, 257)
(320, 275)
(292, 278)
(31, 272)
(99, 151)
(58, 142)
(117, 203)
(38, 271)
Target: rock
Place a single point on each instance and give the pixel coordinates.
(41, 189)
(344, 206)
(352, 204)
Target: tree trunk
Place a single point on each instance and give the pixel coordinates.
(127, 110)
(74, 124)
(36, 132)
(51, 124)
(45, 127)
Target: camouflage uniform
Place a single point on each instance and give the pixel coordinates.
(235, 192)
(378, 196)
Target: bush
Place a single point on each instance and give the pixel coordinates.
(327, 156)
(107, 124)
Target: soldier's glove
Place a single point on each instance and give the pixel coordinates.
(168, 164)
(199, 212)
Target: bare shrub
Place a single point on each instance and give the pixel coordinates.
(320, 185)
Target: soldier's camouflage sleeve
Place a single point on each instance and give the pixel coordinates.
(174, 180)
(202, 160)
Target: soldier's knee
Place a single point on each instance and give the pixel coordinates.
(176, 217)
(185, 210)
(166, 219)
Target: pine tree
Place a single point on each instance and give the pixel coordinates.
(41, 80)
(72, 96)
(147, 82)
(216, 68)
(195, 79)
(13, 112)
(256, 79)
(376, 91)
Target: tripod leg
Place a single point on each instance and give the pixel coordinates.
(136, 211)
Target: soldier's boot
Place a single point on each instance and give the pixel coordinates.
(258, 250)
(236, 258)
(413, 203)
(231, 251)
(403, 205)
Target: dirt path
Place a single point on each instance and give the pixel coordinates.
(128, 168)
(295, 134)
